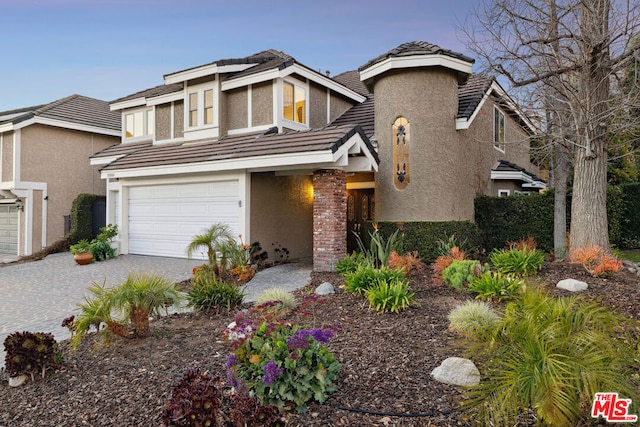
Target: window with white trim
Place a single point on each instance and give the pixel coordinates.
(498, 129)
(139, 124)
(294, 102)
(504, 193)
(201, 106)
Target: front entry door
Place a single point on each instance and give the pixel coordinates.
(360, 208)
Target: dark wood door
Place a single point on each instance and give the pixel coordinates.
(360, 209)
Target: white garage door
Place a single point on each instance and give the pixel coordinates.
(9, 229)
(164, 218)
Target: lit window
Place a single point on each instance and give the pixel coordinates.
(208, 107)
(139, 123)
(498, 129)
(295, 100)
(193, 109)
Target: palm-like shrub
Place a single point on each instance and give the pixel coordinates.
(213, 239)
(126, 308)
(550, 355)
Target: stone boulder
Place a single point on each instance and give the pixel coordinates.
(325, 288)
(457, 371)
(572, 285)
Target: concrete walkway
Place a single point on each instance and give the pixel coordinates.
(38, 295)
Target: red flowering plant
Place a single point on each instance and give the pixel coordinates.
(595, 260)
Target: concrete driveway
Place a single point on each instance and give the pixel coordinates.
(36, 296)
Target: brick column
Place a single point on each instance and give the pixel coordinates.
(329, 218)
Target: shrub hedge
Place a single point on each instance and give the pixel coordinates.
(509, 219)
(630, 224)
(424, 236)
(82, 217)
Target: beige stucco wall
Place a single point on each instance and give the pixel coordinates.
(317, 106)
(441, 166)
(236, 109)
(6, 155)
(178, 119)
(282, 211)
(163, 122)
(338, 106)
(262, 104)
(60, 158)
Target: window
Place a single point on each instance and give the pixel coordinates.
(295, 99)
(208, 106)
(498, 129)
(503, 193)
(139, 124)
(193, 109)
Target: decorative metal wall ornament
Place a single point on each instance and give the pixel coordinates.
(401, 145)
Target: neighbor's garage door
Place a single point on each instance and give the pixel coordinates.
(9, 229)
(164, 218)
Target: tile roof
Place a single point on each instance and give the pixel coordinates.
(360, 114)
(152, 92)
(240, 147)
(471, 93)
(121, 149)
(351, 79)
(76, 109)
(416, 48)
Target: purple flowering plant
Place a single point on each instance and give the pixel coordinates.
(285, 365)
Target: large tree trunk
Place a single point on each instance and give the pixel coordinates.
(561, 176)
(589, 204)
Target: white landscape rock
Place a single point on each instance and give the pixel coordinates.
(457, 371)
(17, 381)
(572, 285)
(325, 288)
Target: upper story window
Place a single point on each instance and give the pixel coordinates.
(201, 102)
(294, 103)
(138, 124)
(498, 129)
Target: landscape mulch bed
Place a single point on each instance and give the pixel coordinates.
(384, 381)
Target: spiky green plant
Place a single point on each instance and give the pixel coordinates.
(472, 318)
(350, 263)
(95, 311)
(519, 261)
(389, 296)
(365, 276)
(213, 239)
(495, 286)
(550, 356)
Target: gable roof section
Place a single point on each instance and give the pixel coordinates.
(140, 98)
(473, 94)
(506, 170)
(73, 112)
(351, 79)
(333, 146)
(416, 54)
(117, 151)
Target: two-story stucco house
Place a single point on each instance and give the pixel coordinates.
(44, 165)
(285, 154)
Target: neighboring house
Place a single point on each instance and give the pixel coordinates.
(286, 155)
(44, 165)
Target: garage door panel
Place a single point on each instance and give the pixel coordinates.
(163, 219)
(9, 229)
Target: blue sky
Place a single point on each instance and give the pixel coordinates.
(107, 49)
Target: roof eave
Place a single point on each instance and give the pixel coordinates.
(205, 70)
(431, 60)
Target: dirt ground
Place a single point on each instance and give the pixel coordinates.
(386, 361)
